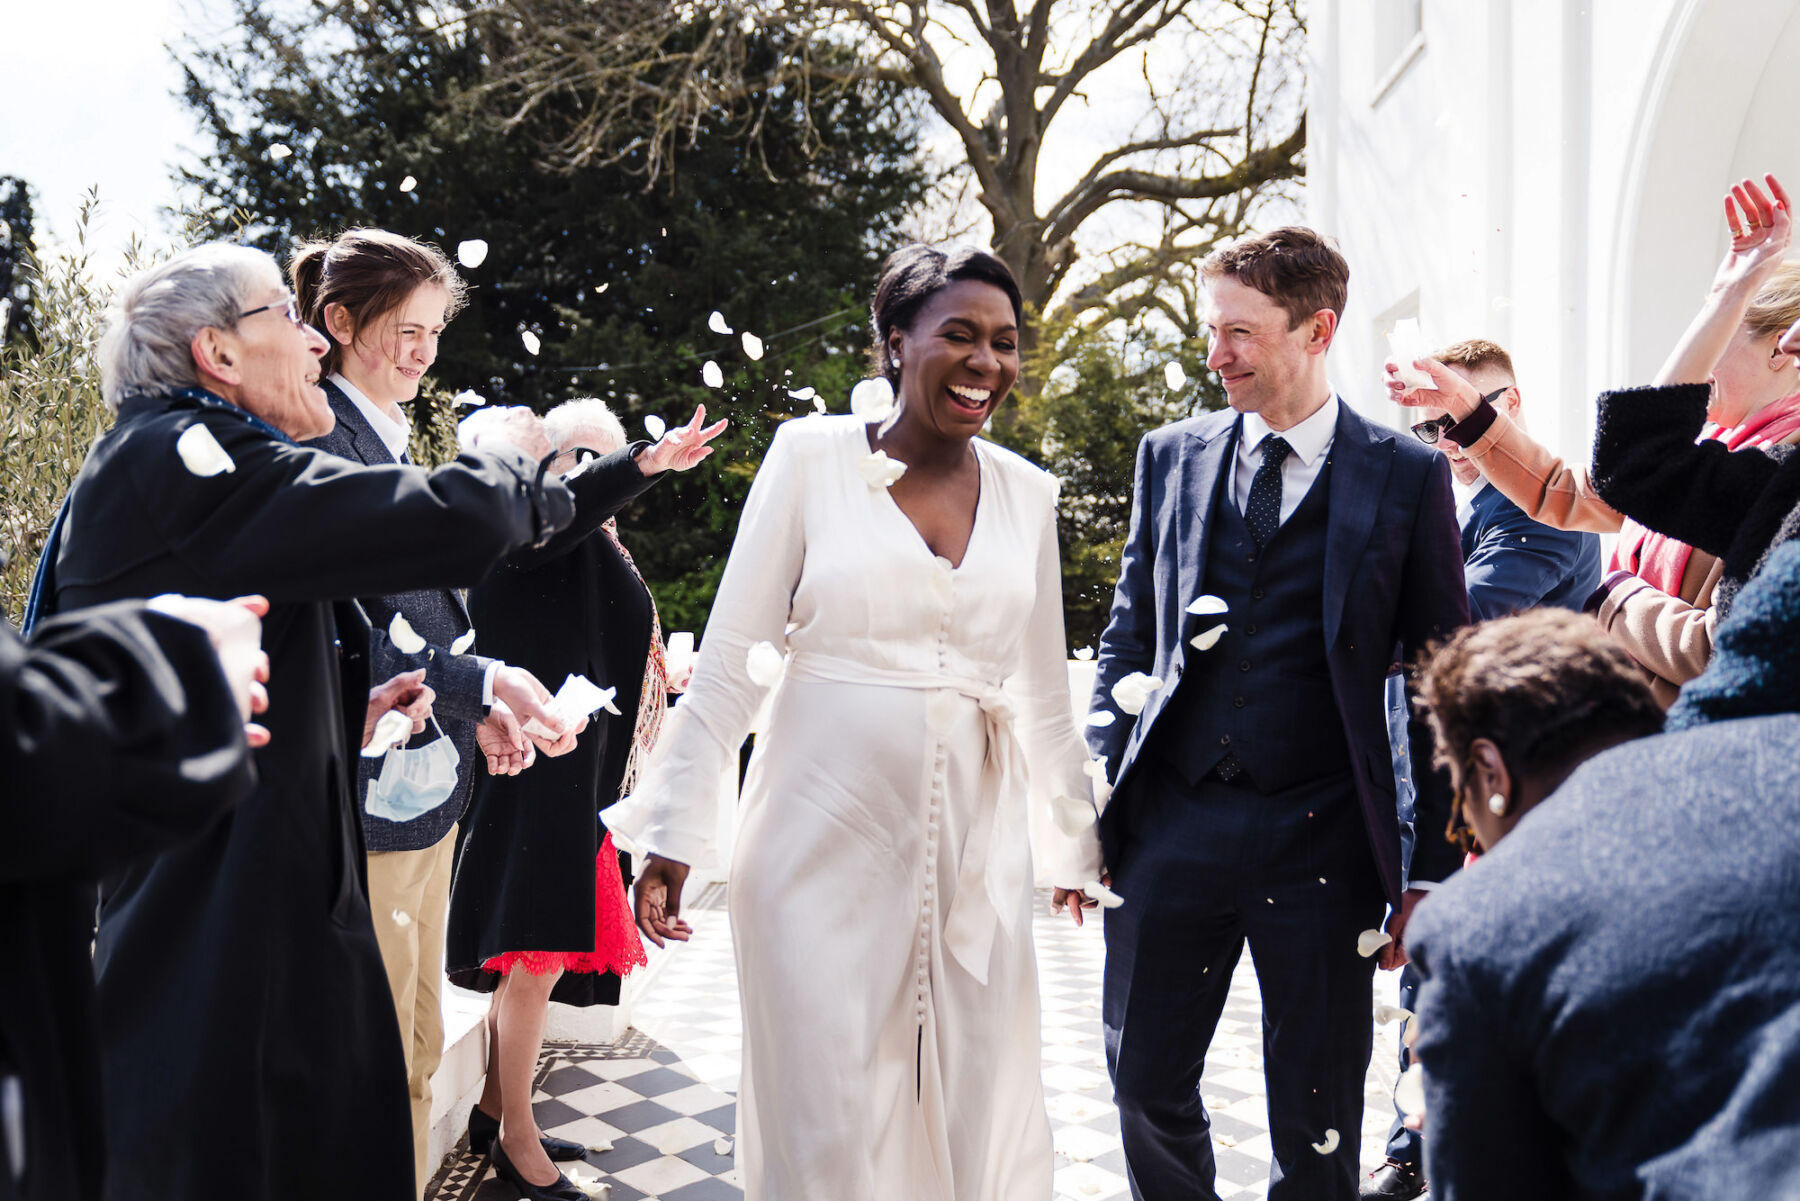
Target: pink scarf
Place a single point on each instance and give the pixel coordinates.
(1659, 560)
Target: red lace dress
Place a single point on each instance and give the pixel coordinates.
(617, 947)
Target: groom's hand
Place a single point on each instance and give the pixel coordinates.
(1394, 954)
(1075, 899)
(658, 896)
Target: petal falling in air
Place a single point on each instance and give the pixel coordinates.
(201, 453)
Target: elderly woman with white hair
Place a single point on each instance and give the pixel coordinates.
(538, 909)
(248, 1042)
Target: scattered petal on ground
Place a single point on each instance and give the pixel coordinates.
(655, 426)
(201, 453)
(391, 729)
(1207, 639)
(1101, 718)
(1174, 376)
(1328, 1144)
(764, 664)
(1132, 692)
(461, 645)
(721, 1146)
(752, 345)
(872, 399)
(711, 376)
(1208, 605)
(879, 471)
(716, 323)
(471, 253)
(1371, 941)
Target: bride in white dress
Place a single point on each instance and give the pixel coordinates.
(920, 736)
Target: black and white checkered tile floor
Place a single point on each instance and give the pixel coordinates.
(658, 1109)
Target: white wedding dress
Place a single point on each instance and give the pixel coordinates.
(881, 883)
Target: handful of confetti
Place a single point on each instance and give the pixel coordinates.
(1405, 343)
(578, 697)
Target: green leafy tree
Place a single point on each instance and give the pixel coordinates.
(775, 213)
(17, 301)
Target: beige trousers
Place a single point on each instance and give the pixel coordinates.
(409, 897)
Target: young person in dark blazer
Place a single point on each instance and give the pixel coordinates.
(1254, 796)
(383, 300)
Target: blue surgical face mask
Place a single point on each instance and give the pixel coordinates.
(414, 782)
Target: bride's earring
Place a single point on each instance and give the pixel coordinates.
(1497, 805)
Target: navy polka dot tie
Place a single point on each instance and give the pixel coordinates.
(1263, 514)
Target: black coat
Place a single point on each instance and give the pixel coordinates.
(118, 736)
(525, 875)
(437, 615)
(1735, 504)
(248, 1040)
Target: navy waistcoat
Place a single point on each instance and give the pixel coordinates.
(1263, 692)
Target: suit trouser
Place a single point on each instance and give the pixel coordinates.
(1204, 869)
(409, 897)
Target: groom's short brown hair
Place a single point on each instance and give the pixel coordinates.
(1294, 266)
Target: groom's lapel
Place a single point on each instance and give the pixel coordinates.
(1203, 469)
(1361, 457)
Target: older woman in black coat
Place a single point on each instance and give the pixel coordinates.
(525, 896)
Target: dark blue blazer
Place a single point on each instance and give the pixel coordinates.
(1611, 998)
(1512, 563)
(1393, 583)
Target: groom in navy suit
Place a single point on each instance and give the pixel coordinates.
(1253, 796)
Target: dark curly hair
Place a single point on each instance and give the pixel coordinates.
(1543, 686)
(1296, 267)
(914, 274)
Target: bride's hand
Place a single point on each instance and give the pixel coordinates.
(1074, 899)
(658, 897)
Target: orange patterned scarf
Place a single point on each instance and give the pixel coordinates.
(653, 700)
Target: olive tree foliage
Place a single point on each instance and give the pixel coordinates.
(1189, 112)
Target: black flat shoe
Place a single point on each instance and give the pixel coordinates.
(483, 1130)
(563, 1189)
(1394, 1181)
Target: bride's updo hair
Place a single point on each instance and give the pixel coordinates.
(371, 272)
(913, 274)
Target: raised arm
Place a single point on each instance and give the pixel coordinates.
(1761, 226)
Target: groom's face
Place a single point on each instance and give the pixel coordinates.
(1259, 358)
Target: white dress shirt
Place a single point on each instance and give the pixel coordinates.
(393, 434)
(1310, 440)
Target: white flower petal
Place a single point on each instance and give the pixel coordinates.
(1095, 769)
(601, 291)
(391, 729)
(942, 709)
(1371, 941)
(655, 426)
(819, 405)
(879, 471)
(461, 645)
(802, 393)
(1207, 605)
(752, 345)
(1391, 1013)
(716, 323)
(1328, 1144)
(872, 399)
(1073, 815)
(471, 253)
(279, 152)
(1084, 653)
(711, 376)
(1099, 892)
(721, 1146)
(532, 345)
(469, 397)
(1132, 692)
(1101, 718)
(1207, 639)
(1405, 343)
(201, 453)
(402, 918)
(764, 663)
(408, 184)
(402, 635)
(1174, 375)
(1409, 1091)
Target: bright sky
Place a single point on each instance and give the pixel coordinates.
(93, 103)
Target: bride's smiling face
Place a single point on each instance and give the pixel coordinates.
(959, 358)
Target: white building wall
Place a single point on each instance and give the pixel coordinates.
(1545, 173)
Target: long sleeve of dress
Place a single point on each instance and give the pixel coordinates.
(673, 811)
(1670, 637)
(118, 735)
(1053, 747)
(1529, 475)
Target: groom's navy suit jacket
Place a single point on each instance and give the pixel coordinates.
(1393, 582)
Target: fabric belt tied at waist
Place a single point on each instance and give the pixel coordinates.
(996, 854)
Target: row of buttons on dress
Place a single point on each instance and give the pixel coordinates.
(943, 590)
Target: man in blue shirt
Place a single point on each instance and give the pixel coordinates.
(1510, 563)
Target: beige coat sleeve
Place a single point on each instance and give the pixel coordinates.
(1669, 636)
(1541, 484)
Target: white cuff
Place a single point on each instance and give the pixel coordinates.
(487, 683)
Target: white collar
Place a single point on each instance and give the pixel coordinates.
(394, 435)
(1309, 439)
